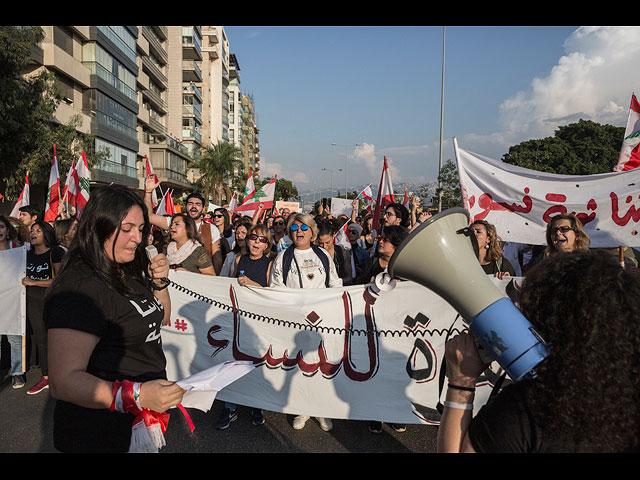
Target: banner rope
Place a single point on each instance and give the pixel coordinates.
(304, 326)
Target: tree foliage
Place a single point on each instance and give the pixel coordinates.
(448, 177)
(582, 148)
(216, 166)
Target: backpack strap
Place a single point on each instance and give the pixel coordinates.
(287, 258)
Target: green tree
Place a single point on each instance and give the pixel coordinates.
(448, 177)
(285, 189)
(582, 148)
(216, 166)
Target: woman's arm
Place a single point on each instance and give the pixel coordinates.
(69, 353)
(159, 272)
(464, 367)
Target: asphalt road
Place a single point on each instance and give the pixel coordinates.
(26, 426)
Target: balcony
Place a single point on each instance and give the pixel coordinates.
(191, 71)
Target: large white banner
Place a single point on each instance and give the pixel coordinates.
(342, 353)
(520, 202)
(13, 265)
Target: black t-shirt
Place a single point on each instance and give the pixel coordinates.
(130, 348)
(40, 267)
(493, 268)
(506, 425)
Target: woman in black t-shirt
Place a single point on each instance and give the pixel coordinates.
(43, 262)
(104, 313)
(490, 252)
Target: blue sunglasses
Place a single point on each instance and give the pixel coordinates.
(302, 227)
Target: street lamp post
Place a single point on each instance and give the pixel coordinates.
(345, 161)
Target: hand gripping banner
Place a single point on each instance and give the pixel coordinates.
(341, 353)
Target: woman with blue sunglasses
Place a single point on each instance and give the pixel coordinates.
(304, 265)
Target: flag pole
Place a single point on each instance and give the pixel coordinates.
(441, 117)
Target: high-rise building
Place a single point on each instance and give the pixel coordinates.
(156, 92)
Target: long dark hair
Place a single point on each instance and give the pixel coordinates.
(12, 233)
(48, 233)
(189, 226)
(585, 306)
(101, 218)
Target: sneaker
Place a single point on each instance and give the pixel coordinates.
(375, 427)
(299, 422)
(257, 418)
(398, 427)
(17, 381)
(325, 424)
(38, 387)
(226, 417)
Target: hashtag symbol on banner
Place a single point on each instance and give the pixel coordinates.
(181, 325)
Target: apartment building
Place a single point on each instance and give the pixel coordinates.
(157, 92)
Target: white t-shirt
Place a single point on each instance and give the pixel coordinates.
(311, 271)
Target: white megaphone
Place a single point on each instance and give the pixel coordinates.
(440, 255)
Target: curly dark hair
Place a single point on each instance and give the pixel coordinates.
(585, 306)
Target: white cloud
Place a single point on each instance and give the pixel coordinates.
(269, 169)
(594, 80)
(365, 154)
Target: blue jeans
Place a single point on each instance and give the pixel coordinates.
(15, 342)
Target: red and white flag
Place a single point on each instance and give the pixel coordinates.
(263, 195)
(233, 204)
(149, 171)
(23, 199)
(82, 176)
(69, 193)
(367, 193)
(166, 207)
(341, 237)
(630, 151)
(385, 195)
(405, 201)
(250, 188)
(53, 193)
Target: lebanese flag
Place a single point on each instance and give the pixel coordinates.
(250, 188)
(82, 176)
(149, 171)
(385, 195)
(341, 237)
(69, 193)
(23, 199)
(630, 151)
(405, 201)
(263, 195)
(367, 193)
(53, 194)
(166, 206)
(233, 204)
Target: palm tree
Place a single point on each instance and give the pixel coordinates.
(217, 163)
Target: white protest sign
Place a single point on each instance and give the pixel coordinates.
(13, 265)
(341, 206)
(520, 202)
(337, 353)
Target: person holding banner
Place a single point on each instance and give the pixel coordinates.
(104, 313)
(585, 396)
(185, 251)
(489, 250)
(304, 265)
(8, 237)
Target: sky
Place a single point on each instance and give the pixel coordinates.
(380, 87)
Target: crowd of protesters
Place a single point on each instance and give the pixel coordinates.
(299, 250)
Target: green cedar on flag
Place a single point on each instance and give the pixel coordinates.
(263, 195)
(53, 194)
(630, 151)
(82, 177)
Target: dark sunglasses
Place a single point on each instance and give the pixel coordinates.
(262, 239)
(304, 227)
(278, 223)
(563, 229)
(218, 215)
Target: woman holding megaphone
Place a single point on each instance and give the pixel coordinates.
(585, 307)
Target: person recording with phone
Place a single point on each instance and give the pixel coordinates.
(104, 312)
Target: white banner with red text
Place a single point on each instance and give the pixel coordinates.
(341, 353)
(520, 202)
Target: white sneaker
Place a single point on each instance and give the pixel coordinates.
(299, 422)
(325, 424)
